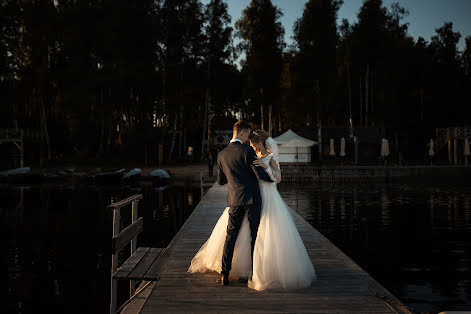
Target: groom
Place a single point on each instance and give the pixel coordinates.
(235, 166)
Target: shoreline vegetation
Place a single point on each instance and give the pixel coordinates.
(172, 74)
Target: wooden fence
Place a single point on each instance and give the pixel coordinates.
(307, 173)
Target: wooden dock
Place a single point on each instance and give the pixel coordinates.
(341, 286)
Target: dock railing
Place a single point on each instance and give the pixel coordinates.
(349, 174)
(15, 136)
(206, 182)
(121, 239)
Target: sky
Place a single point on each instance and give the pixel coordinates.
(424, 15)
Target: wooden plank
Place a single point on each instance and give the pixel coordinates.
(132, 283)
(130, 264)
(154, 271)
(124, 237)
(143, 266)
(114, 263)
(125, 201)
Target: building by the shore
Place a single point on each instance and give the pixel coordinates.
(368, 140)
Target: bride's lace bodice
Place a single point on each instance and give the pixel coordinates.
(273, 169)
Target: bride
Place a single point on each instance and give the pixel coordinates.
(280, 260)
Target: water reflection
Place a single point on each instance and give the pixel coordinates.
(414, 239)
(55, 253)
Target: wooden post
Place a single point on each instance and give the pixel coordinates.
(201, 183)
(361, 103)
(279, 122)
(319, 140)
(355, 141)
(465, 131)
(209, 128)
(204, 124)
(449, 145)
(261, 106)
(366, 93)
(161, 154)
(132, 283)
(455, 146)
(114, 263)
(145, 154)
(22, 150)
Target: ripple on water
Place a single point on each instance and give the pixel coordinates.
(414, 239)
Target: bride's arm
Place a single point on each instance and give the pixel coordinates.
(274, 171)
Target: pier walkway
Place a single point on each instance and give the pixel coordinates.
(341, 286)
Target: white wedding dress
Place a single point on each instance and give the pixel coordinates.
(280, 260)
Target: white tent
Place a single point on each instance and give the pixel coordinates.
(294, 148)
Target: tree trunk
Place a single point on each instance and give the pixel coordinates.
(102, 128)
(209, 126)
(204, 125)
(361, 102)
(366, 93)
(172, 145)
(180, 137)
(279, 122)
(261, 107)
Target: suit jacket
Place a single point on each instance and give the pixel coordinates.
(235, 167)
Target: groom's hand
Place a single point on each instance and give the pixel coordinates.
(259, 163)
(259, 172)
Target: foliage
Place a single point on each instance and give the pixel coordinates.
(103, 79)
(262, 41)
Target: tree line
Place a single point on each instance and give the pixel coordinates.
(105, 78)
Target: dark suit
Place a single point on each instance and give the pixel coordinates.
(235, 167)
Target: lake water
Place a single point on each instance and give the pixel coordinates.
(414, 239)
(55, 248)
(56, 242)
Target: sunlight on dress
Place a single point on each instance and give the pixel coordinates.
(280, 260)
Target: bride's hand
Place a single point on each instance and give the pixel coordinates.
(259, 163)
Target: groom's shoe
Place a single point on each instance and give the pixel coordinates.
(224, 280)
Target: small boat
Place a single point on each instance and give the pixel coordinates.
(107, 177)
(159, 187)
(132, 174)
(14, 171)
(160, 175)
(20, 176)
(59, 174)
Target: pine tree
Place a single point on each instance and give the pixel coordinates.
(262, 41)
(316, 37)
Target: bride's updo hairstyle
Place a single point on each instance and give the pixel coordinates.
(258, 136)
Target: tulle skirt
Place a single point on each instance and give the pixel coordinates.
(280, 260)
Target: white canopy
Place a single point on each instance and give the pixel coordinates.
(293, 139)
(294, 148)
(295, 142)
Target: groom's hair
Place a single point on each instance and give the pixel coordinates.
(241, 125)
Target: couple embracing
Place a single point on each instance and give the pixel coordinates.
(255, 239)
